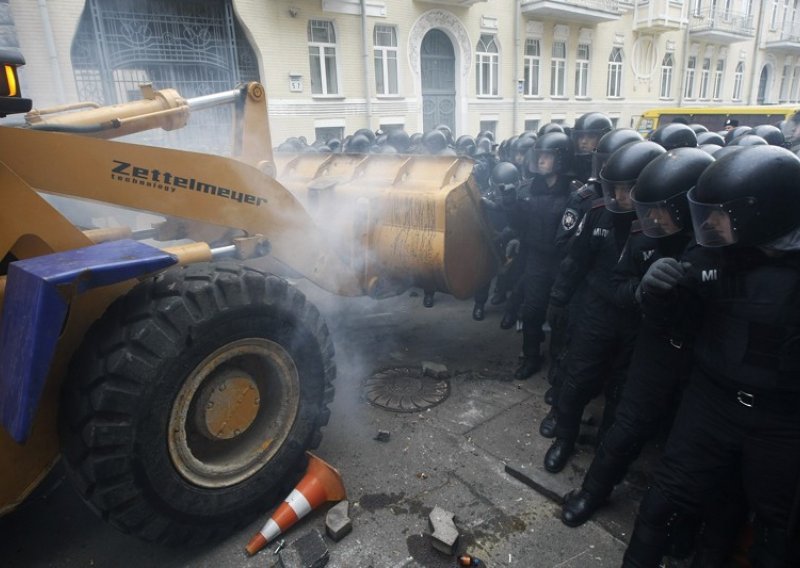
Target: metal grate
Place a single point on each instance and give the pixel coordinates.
(402, 389)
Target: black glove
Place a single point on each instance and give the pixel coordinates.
(663, 275)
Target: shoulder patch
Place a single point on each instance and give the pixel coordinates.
(569, 219)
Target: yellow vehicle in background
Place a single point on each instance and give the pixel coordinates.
(714, 118)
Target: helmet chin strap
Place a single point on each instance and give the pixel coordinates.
(787, 243)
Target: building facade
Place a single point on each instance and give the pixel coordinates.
(333, 66)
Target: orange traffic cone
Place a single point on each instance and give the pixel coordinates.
(321, 483)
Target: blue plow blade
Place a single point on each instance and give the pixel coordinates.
(37, 296)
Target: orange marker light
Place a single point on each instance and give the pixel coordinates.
(11, 79)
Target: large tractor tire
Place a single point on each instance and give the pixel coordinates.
(191, 403)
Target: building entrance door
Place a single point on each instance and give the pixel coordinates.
(438, 81)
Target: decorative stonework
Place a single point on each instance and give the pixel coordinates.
(439, 19)
(585, 35)
(488, 23)
(534, 29)
(560, 32)
(723, 52)
(670, 46)
(694, 49)
(709, 53)
(742, 54)
(619, 39)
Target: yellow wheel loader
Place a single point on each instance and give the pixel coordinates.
(155, 342)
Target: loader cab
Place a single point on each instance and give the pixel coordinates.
(11, 101)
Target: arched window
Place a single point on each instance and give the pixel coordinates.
(487, 65)
(614, 85)
(667, 65)
(322, 57)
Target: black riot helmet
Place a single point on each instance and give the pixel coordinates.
(698, 128)
(748, 140)
(772, 134)
(747, 198)
(504, 174)
(414, 142)
(659, 196)
(399, 140)
(487, 134)
(555, 145)
(588, 130)
(622, 169)
(610, 143)
(674, 135)
(358, 144)
(335, 144)
(504, 149)
(734, 133)
(465, 145)
(710, 138)
(366, 132)
(710, 149)
(434, 141)
(520, 149)
(550, 127)
(448, 133)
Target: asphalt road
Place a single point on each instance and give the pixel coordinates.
(453, 455)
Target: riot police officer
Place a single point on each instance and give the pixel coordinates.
(586, 134)
(659, 360)
(740, 290)
(562, 317)
(674, 135)
(503, 184)
(536, 220)
(601, 345)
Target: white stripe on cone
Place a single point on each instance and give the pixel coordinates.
(270, 530)
(299, 504)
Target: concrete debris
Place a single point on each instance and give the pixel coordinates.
(382, 436)
(435, 370)
(445, 533)
(337, 521)
(308, 551)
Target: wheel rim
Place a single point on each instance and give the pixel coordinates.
(233, 412)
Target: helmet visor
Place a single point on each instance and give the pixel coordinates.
(617, 195)
(660, 218)
(720, 224)
(585, 141)
(599, 160)
(543, 162)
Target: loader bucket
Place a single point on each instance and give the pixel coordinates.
(399, 221)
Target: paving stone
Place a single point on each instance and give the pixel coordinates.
(308, 551)
(337, 521)
(445, 533)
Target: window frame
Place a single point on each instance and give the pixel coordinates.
(529, 61)
(667, 76)
(614, 76)
(582, 71)
(738, 81)
(705, 75)
(321, 48)
(558, 71)
(719, 80)
(383, 51)
(487, 59)
(688, 77)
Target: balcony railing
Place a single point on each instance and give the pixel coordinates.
(787, 38)
(587, 11)
(717, 23)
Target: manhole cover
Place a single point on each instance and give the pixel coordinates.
(405, 390)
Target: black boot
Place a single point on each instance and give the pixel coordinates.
(528, 368)
(427, 301)
(558, 455)
(547, 428)
(579, 507)
(508, 321)
(477, 312)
